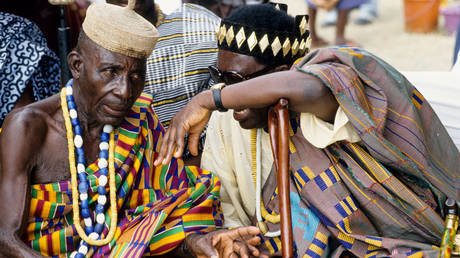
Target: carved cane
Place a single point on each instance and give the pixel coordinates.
(278, 127)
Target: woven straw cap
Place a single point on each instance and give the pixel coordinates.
(120, 29)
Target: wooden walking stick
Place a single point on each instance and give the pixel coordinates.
(278, 127)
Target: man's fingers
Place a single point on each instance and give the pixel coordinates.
(223, 243)
(237, 240)
(170, 145)
(228, 249)
(241, 248)
(163, 148)
(233, 255)
(201, 246)
(193, 143)
(179, 140)
(209, 251)
(168, 157)
(244, 231)
(254, 250)
(253, 240)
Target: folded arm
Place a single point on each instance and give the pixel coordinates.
(305, 93)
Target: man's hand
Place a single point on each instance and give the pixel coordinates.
(238, 242)
(191, 119)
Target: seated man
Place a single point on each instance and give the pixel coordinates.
(101, 117)
(371, 164)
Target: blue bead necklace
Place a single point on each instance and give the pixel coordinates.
(93, 231)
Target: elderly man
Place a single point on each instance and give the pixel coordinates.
(371, 164)
(54, 203)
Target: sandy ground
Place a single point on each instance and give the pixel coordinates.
(387, 39)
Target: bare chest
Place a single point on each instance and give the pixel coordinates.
(53, 165)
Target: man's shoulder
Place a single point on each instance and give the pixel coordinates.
(190, 17)
(25, 130)
(340, 54)
(189, 9)
(33, 118)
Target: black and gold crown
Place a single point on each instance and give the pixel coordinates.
(281, 46)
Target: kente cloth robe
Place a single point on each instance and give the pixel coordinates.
(157, 206)
(378, 197)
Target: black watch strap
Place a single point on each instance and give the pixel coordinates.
(218, 100)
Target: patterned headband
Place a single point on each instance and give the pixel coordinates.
(281, 46)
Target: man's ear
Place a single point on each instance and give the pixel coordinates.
(75, 62)
(280, 68)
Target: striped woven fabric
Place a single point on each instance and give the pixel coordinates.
(177, 69)
(382, 197)
(157, 206)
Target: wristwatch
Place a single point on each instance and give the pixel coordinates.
(216, 90)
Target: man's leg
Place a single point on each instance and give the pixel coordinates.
(315, 40)
(340, 27)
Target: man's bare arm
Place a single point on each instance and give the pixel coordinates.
(22, 135)
(305, 93)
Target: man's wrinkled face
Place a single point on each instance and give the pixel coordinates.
(109, 83)
(244, 65)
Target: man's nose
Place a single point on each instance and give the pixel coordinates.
(123, 89)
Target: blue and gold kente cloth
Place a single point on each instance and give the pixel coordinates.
(383, 196)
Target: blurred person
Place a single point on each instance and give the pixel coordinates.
(330, 19)
(29, 70)
(370, 162)
(344, 7)
(367, 14)
(46, 16)
(221, 8)
(177, 67)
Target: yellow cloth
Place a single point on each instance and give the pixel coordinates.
(227, 153)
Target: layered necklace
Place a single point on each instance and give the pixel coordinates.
(92, 233)
(261, 211)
